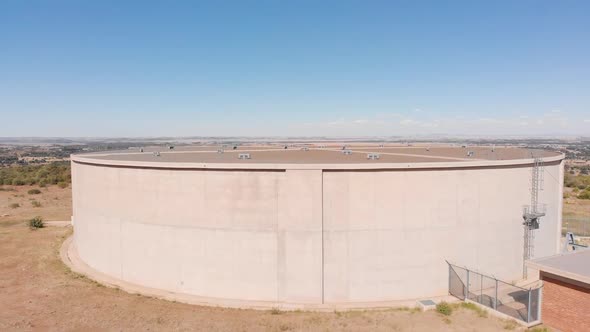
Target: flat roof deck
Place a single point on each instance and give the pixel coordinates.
(201, 156)
(572, 265)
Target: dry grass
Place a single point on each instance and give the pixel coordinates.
(53, 204)
(37, 292)
(576, 207)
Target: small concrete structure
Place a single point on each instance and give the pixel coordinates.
(425, 305)
(566, 289)
(314, 228)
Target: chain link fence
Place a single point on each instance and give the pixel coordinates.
(517, 302)
(580, 226)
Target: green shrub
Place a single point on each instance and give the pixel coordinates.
(584, 195)
(444, 308)
(577, 181)
(36, 222)
(36, 204)
(45, 174)
(14, 205)
(62, 185)
(34, 191)
(18, 182)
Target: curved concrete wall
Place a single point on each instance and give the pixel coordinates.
(307, 236)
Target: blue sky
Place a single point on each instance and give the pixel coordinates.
(336, 68)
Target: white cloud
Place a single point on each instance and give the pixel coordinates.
(344, 123)
(551, 122)
(407, 122)
(488, 120)
(388, 115)
(421, 124)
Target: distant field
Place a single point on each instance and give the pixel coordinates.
(576, 216)
(576, 203)
(52, 203)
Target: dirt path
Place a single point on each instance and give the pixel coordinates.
(37, 292)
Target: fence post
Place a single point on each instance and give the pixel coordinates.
(496, 296)
(467, 286)
(449, 278)
(528, 317)
(480, 289)
(540, 304)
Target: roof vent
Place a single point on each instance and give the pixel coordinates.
(347, 152)
(140, 149)
(219, 150)
(428, 149)
(244, 156)
(171, 147)
(156, 154)
(373, 156)
(470, 153)
(305, 148)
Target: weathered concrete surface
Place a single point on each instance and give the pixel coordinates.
(306, 235)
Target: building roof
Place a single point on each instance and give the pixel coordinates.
(317, 157)
(573, 265)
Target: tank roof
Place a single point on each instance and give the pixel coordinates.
(329, 156)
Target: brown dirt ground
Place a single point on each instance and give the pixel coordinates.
(56, 203)
(38, 292)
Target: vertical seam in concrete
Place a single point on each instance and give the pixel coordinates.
(561, 171)
(277, 206)
(121, 249)
(322, 205)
